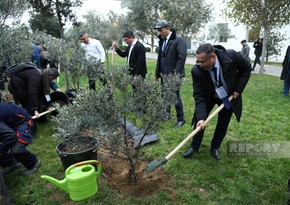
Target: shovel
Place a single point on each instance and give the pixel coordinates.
(152, 165)
(44, 113)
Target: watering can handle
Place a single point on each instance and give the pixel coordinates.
(93, 162)
(87, 162)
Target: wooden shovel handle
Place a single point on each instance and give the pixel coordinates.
(44, 113)
(197, 129)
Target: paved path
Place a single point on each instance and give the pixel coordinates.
(269, 69)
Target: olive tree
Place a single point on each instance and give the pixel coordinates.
(104, 113)
(15, 42)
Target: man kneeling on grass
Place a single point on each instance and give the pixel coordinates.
(15, 135)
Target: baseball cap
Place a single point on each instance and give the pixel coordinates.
(161, 24)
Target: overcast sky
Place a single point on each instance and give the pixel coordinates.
(101, 6)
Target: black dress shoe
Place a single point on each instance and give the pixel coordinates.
(190, 152)
(179, 124)
(215, 153)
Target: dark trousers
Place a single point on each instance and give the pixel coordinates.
(178, 107)
(224, 118)
(25, 104)
(92, 83)
(19, 153)
(257, 60)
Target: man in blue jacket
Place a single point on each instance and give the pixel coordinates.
(15, 136)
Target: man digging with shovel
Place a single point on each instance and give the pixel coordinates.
(217, 74)
(219, 77)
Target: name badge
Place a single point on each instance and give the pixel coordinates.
(47, 97)
(221, 92)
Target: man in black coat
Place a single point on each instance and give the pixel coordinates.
(218, 73)
(30, 87)
(285, 74)
(135, 53)
(15, 135)
(258, 45)
(171, 60)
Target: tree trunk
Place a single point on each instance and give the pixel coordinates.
(132, 172)
(61, 30)
(266, 34)
(152, 43)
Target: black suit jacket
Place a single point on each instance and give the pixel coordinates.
(137, 61)
(175, 56)
(236, 72)
(285, 74)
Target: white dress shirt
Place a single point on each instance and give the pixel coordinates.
(94, 50)
(131, 47)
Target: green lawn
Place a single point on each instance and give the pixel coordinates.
(200, 180)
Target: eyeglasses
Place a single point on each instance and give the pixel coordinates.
(160, 29)
(201, 62)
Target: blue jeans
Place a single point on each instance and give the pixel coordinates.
(286, 88)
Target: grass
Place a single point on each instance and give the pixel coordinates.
(200, 180)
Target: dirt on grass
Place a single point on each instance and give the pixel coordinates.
(116, 172)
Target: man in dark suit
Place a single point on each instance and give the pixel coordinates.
(135, 53)
(218, 73)
(171, 60)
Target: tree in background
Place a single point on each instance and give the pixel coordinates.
(265, 14)
(104, 28)
(273, 44)
(186, 16)
(15, 41)
(49, 25)
(63, 10)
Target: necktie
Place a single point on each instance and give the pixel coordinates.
(164, 45)
(214, 69)
(225, 99)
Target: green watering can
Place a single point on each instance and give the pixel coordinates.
(80, 180)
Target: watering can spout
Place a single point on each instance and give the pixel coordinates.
(59, 183)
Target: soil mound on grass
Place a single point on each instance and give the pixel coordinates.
(116, 172)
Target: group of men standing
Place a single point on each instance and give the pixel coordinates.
(218, 73)
(171, 60)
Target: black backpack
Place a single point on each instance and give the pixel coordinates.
(12, 70)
